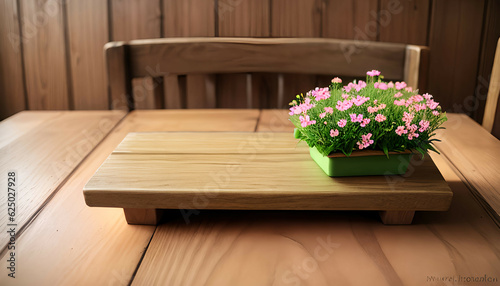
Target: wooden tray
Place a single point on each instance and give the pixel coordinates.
(151, 171)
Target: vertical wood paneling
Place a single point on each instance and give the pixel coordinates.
(350, 19)
(190, 18)
(491, 33)
(404, 23)
(88, 32)
(455, 44)
(245, 18)
(12, 97)
(295, 18)
(134, 19)
(44, 54)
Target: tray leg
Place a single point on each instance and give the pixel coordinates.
(397, 217)
(143, 216)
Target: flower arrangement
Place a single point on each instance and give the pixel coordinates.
(370, 114)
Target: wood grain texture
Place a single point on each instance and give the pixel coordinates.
(46, 155)
(12, 91)
(143, 216)
(118, 77)
(474, 152)
(416, 67)
(323, 248)
(132, 20)
(296, 18)
(45, 63)
(351, 19)
(275, 120)
(455, 40)
(404, 21)
(95, 246)
(248, 171)
(489, 44)
(88, 32)
(233, 55)
(192, 18)
(491, 107)
(244, 18)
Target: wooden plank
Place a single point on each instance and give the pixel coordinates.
(118, 77)
(246, 171)
(491, 34)
(261, 248)
(45, 156)
(455, 40)
(76, 231)
(245, 18)
(233, 55)
(416, 67)
(44, 55)
(191, 18)
(11, 69)
(21, 123)
(296, 18)
(491, 107)
(172, 92)
(474, 152)
(87, 34)
(143, 216)
(351, 19)
(132, 20)
(275, 120)
(404, 21)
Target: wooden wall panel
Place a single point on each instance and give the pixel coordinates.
(350, 19)
(295, 18)
(455, 40)
(404, 22)
(491, 33)
(88, 32)
(44, 54)
(190, 18)
(245, 18)
(131, 20)
(12, 97)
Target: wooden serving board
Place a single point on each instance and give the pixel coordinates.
(152, 171)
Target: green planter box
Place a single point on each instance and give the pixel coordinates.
(360, 165)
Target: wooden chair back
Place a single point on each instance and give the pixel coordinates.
(491, 118)
(179, 71)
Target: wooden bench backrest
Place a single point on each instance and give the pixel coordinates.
(491, 119)
(166, 59)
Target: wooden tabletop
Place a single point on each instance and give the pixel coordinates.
(62, 241)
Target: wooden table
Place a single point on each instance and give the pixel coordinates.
(65, 242)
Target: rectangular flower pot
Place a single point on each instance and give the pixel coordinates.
(362, 163)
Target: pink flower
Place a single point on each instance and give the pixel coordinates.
(365, 141)
(424, 124)
(302, 108)
(401, 130)
(409, 102)
(321, 93)
(342, 122)
(400, 85)
(412, 128)
(432, 104)
(382, 106)
(399, 94)
(322, 115)
(417, 98)
(372, 109)
(325, 123)
(409, 89)
(407, 118)
(380, 85)
(380, 118)
(329, 110)
(435, 112)
(344, 105)
(305, 121)
(334, 133)
(411, 135)
(336, 80)
(359, 100)
(390, 85)
(427, 96)
(373, 73)
(355, 118)
(364, 122)
(420, 106)
(399, 102)
(345, 96)
(360, 85)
